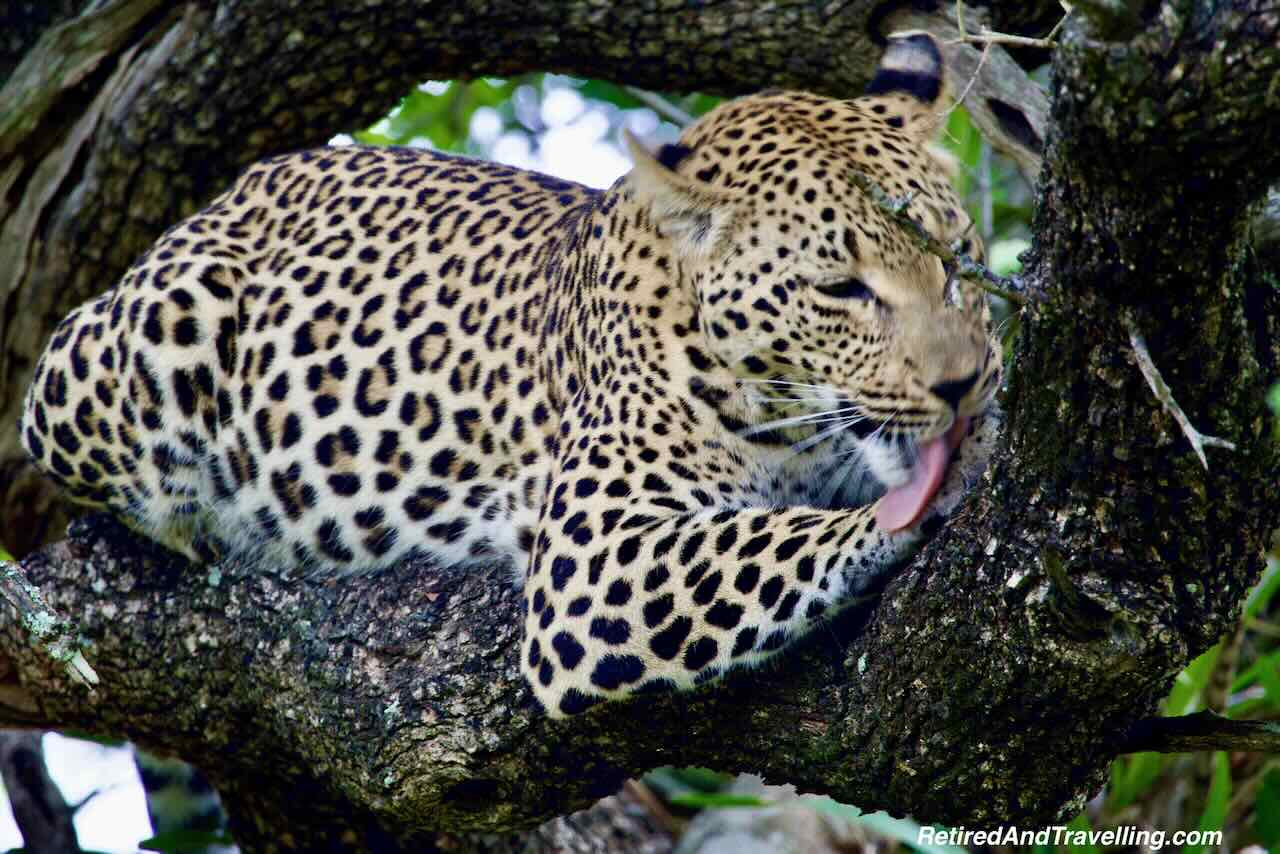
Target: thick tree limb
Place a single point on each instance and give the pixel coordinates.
(399, 694)
(63, 58)
(999, 673)
(23, 22)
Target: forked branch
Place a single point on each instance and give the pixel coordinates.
(1008, 287)
(1199, 441)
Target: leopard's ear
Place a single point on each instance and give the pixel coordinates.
(693, 215)
(911, 84)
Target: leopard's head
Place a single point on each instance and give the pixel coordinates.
(830, 314)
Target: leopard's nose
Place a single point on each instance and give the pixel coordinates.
(953, 391)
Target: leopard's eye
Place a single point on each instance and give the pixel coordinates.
(848, 289)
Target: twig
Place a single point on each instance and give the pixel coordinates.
(1262, 627)
(1199, 441)
(973, 78)
(660, 105)
(989, 37)
(1201, 731)
(656, 809)
(1245, 792)
(982, 60)
(1010, 288)
(47, 628)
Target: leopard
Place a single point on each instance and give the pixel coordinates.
(698, 413)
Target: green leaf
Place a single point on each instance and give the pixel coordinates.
(698, 104)
(964, 141)
(1269, 678)
(1081, 823)
(1273, 398)
(1266, 670)
(717, 800)
(1262, 593)
(1131, 776)
(673, 783)
(185, 841)
(104, 741)
(1003, 255)
(1266, 810)
(370, 137)
(1257, 671)
(1190, 684)
(609, 93)
(1215, 809)
(704, 779)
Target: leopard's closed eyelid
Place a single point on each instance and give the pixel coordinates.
(850, 287)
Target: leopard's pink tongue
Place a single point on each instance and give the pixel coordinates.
(902, 506)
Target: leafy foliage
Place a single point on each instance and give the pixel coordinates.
(441, 113)
(511, 119)
(186, 842)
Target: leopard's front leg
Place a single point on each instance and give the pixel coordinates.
(621, 601)
(624, 597)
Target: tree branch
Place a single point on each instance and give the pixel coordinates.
(1199, 441)
(392, 698)
(1006, 287)
(1201, 731)
(47, 628)
(1004, 103)
(61, 60)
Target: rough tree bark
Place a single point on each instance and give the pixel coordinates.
(997, 676)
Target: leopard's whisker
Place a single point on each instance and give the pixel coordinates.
(814, 386)
(830, 432)
(837, 484)
(772, 399)
(796, 419)
(821, 436)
